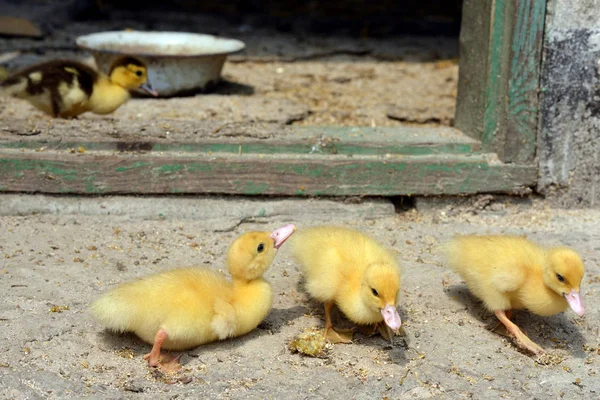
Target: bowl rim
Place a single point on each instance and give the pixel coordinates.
(80, 39)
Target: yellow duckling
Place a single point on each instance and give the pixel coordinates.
(510, 272)
(344, 267)
(184, 308)
(66, 89)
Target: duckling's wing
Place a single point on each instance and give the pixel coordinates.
(71, 85)
(507, 275)
(494, 256)
(490, 264)
(223, 322)
(320, 260)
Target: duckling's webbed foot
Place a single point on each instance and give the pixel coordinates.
(338, 335)
(168, 363)
(367, 330)
(522, 340)
(333, 335)
(381, 327)
(155, 359)
(385, 331)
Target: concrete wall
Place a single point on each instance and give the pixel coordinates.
(569, 139)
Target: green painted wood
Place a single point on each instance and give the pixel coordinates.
(474, 48)
(386, 135)
(492, 151)
(256, 147)
(251, 174)
(311, 140)
(495, 92)
(509, 39)
(523, 89)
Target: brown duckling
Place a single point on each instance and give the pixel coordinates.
(66, 89)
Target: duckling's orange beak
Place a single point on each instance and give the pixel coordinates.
(574, 300)
(147, 87)
(391, 317)
(282, 234)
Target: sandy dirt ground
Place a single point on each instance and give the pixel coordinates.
(54, 263)
(282, 77)
(342, 91)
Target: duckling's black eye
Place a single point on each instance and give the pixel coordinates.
(260, 248)
(560, 277)
(374, 292)
(138, 73)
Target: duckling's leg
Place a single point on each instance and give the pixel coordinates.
(335, 336)
(522, 339)
(155, 359)
(500, 328)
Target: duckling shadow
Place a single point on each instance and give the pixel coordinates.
(472, 304)
(124, 341)
(367, 335)
(557, 332)
(550, 332)
(271, 325)
(278, 317)
(395, 349)
(128, 345)
(396, 353)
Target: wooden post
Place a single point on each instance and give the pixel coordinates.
(500, 57)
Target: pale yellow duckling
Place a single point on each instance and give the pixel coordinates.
(66, 89)
(510, 272)
(345, 267)
(184, 308)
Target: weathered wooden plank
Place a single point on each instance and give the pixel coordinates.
(321, 140)
(325, 145)
(524, 82)
(494, 121)
(295, 140)
(498, 97)
(474, 48)
(104, 173)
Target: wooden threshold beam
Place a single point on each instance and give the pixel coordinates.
(260, 140)
(105, 172)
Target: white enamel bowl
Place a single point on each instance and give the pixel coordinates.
(178, 62)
